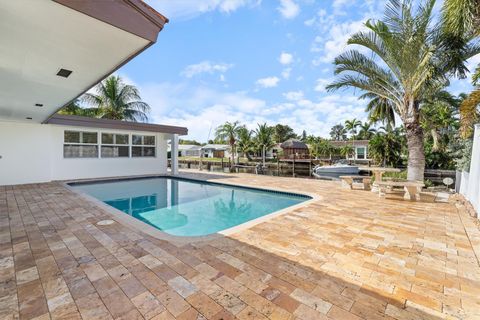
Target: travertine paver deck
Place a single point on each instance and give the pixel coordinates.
(348, 256)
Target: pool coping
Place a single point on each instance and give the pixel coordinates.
(150, 230)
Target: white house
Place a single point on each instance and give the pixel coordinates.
(52, 52)
(216, 151)
(189, 150)
(360, 149)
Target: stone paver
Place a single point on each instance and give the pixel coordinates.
(347, 255)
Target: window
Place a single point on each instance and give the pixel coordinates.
(79, 144)
(143, 146)
(115, 145)
(361, 153)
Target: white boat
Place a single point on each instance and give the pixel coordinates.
(335, 170)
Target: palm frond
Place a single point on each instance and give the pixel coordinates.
(469, 113)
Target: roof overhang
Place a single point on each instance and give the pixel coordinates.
(87, 122)
(90, 38)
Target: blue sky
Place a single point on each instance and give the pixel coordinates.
(250, 60)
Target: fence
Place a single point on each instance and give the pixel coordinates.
(470, 181)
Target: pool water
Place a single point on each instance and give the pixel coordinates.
(185, 207)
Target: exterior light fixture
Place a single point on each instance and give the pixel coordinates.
(64, 73)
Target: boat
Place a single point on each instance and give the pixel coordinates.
(334, 171)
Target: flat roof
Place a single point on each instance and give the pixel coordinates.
(79, 121)
(54, 51)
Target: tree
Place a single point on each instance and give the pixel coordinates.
(438, 120)
(469, 113)
(386, 146)
(228, 132)
(323, 147)
(405, 67)
(338, 132)
(245, 142)
(347, 151)
(264, 139)
(115, 100)
(366, 131)
(380, 109)
(304, 136)
(74, 108)
(461, 23)
(351, 126)
(186, 141)
(282, 133)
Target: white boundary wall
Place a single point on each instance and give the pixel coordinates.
(32, 153)
(470, 182)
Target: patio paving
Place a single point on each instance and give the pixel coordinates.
(350, 255)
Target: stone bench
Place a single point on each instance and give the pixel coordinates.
(409, 189)
(347, 181)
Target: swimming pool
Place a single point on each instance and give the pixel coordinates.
(184, 207)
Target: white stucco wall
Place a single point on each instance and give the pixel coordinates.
(34, 153)
(470, 183)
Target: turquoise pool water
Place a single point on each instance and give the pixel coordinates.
(184, 207)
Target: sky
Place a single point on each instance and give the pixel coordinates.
(251, 61)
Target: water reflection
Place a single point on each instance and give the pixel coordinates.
(232, 209)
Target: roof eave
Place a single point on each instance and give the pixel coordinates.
(79, 121)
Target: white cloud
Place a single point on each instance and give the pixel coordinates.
(289, 9)
(201, 109)
(286, 73)
(335, 42)
(268, 82)
(321, 84)
(205, 67)
(293, 95)
(338, 6)
(186, 9)
(285, 58)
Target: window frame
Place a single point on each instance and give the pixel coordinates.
(115, 144)
(142, 145)
(81, 143)
(364, 152)
(99, 143)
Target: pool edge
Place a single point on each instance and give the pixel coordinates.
(141, 226)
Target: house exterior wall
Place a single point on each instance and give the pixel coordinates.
(470, 181)
(356, 156)
(190, 153)
(32, 153)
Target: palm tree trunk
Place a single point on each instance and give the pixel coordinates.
(232, 157)
(436, 140)
(263, 155)
(416, 154)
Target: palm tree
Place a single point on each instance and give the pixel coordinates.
(338, 132)
(380, 109)
(469, 113)
(245, 142)
(404, 68)
(386, 146)
(263, 139)
(461, 23)
(351, 126)
(282, 133)
(437, 116)
(74, 108)
(366, 131)
(347, 151)
(116, 100)
(228, 132)
(324, 147)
